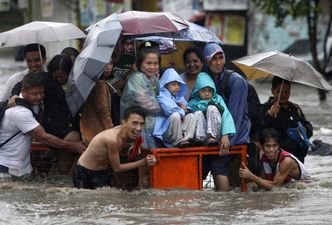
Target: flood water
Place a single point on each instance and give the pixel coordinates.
(53, 201)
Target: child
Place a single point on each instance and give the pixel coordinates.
(213, 118)
(280, 167)
(177, 126)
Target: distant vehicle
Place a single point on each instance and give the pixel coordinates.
(301, 49)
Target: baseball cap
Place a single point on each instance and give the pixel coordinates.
(210, 50)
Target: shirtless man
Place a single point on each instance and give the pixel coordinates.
(279, 166)
(103, 152)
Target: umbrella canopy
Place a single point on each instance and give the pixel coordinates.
(90, 63)
(39, 32)
(262, 65)
(194, 32)
(139, 22)
(199, 33)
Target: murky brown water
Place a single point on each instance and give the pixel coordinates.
(53, 201)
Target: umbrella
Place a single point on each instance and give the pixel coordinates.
(38, 32)
(262, 65)
(140, 23)
(90, 63)
(199, 33)
(194, 32)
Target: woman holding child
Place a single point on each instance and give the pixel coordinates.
(142, 88)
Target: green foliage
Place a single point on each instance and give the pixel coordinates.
(280, 9)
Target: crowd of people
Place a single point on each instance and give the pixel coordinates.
(132, 105)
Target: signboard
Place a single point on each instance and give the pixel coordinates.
(183, 8)
(47, 7)
(229, 28)
(218, 5)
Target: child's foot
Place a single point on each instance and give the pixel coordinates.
(183, 144)
(211, 142)
(199, 143)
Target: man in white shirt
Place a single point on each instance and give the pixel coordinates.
(15, 154)
(32, 54)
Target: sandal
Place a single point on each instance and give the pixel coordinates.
(211, 142)
(183, 144)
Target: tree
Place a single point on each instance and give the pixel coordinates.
(310, 9)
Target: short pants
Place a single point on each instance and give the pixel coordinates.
(6, 176)
(218, 165)
(90, 179)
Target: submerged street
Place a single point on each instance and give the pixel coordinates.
(52, 200)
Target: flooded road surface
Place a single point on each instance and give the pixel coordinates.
(53, 201)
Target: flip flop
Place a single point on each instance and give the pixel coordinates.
(211, 142)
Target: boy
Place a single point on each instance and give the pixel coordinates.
(280, 167)
(103, 152)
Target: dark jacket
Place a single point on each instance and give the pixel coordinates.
(56, 117)
(287, 118)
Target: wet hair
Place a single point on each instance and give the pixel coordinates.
(32, 80)
(195, 50)
(277, 80)
(145, 49)
(134, 110)
(60, 62)
(35, 48)
(268, 133)
(125, 39)
(70, 51)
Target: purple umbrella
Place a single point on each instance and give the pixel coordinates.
(139, 22)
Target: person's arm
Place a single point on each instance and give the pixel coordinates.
(117, 166)
(169, 106)
(224, 144)
(48, 139)
(16, 90)
(238, 107)
(141, 91)
(278, 180)
(10, 83)
(102, 104)
(227, 122)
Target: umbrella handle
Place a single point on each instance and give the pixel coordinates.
(282, 84)
(111, 86)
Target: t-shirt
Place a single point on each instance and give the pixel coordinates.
(8, 86)
(15, 154)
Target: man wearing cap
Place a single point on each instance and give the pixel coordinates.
(35, 58)
(236, 102)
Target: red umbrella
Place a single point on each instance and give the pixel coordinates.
(139, 22)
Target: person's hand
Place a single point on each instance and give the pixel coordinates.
(274, 110)
(11, 101)
(224, 145)
(244, 172)
(183, 106)
(79, 147)
(118, 92)
(150, 160)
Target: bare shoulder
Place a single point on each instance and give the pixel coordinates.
(288, 163)
(109, 138)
